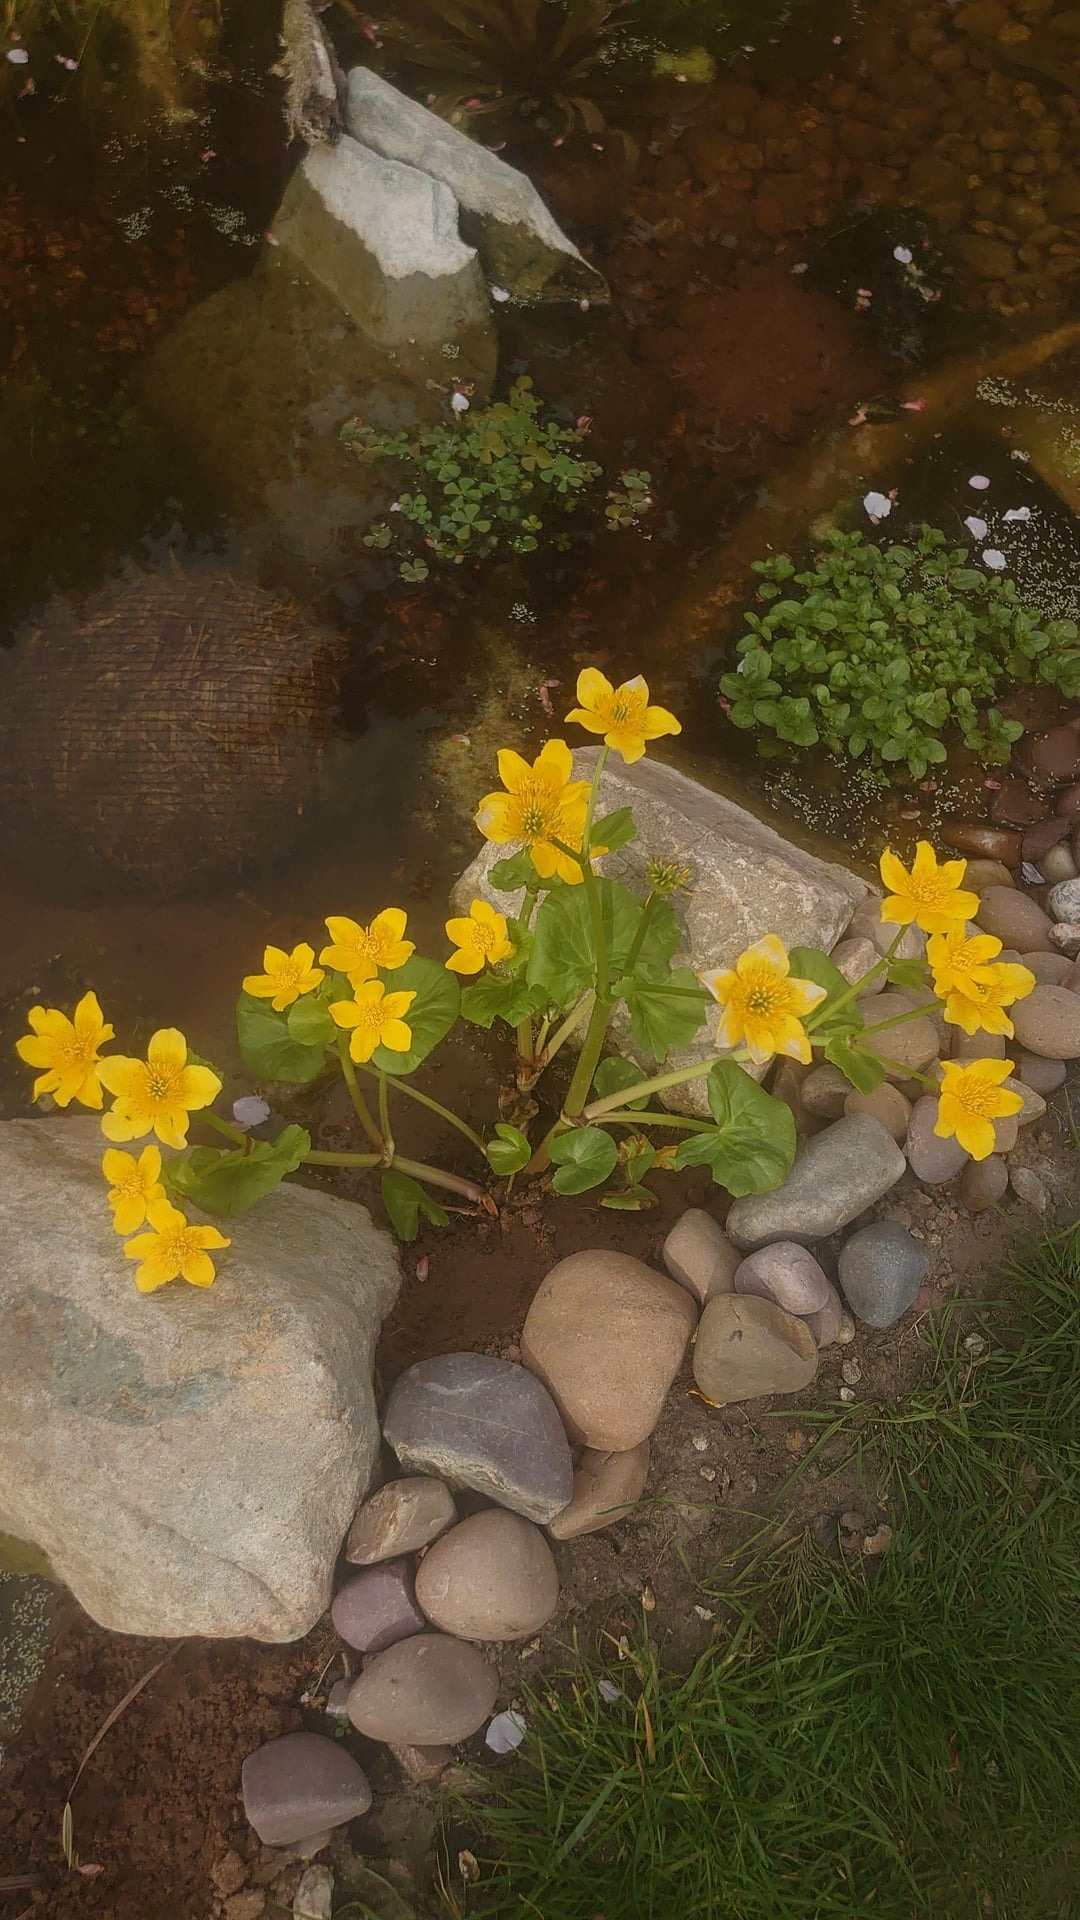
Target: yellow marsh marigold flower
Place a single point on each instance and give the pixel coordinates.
(68, 1050)
(974, 989)
(173, 1249)
(764, 1006)
(972, 1098)
(622, 714)
(360, 951)
(374, 1019)
(542, 803)
(931, 894)
(158, 1094)
(287, 976)
(481, 939)
(133, 1183)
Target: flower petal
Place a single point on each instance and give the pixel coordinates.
(513, 770)
(168, 1048)
(555, 762)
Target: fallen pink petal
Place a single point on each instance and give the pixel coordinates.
(878, 506)
(994, 559)
(977, 528)
(980, 481)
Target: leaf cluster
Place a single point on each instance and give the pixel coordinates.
(874, 652)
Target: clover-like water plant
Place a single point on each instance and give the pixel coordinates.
(573, 948)
(504, 478)
(875, 652)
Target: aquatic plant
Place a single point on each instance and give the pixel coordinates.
(579, 948)
(500, 479)
(873, 652)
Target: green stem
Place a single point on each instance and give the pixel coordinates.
(678, 1077)
(435, 1177)
(899, 1020)
(638, 940)
(573, 1019)
(360, 1105)
(435, 1106)
(315, 1159)
(235, 1134)
(827, 1008)
(654, 1119)
(588, 1059)
(384, 1118)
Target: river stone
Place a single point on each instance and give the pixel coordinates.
(383, 239)
(607, 1336)
(881, 1269)
(826, 1322)
(522, 248)
(748, 1346)
(1041, 1075)
(987, 873)
(986, 843)
(492, 1577)
(606, 1487)
(836, 1176)
(425, 1692)
(1050, 969)
(189, 1460)
(979, 1045)
(300, 1785)
(824, 1091)
(698, 1254)
(885, 1103)
(486, 1424)
(1063, 901)
(854, 959)
(402, 1517)
(374, 1609)
(1047, 1022)
(983, 1183)
(746, 880)
(1065, 938)
(1016, 920)
(786, 1273)
(905, 1049)
(932, 1160)
(1058, 865)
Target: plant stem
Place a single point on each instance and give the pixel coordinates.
(638, 940)
(828, 1008)
(435, 1177)
(360, 1105)
(883, 1026)
(435, 1106)
(678, 1077)
(588, 1059)
(235, 1134)
(316, 1159)
(654, 1119)
(384, 1117)
(573, 1019)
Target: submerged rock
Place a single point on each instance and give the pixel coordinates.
(189, 1461)
(486, 1424)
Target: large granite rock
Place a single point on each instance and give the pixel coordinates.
(486, 1424)
(746, 880)
(383, 238)
(188, 1460)
(521, 246)
(836, 1176)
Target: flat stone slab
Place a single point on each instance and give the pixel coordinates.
(746, 880)
(189, 1460)
(486, 1424)
(836, 1176)
(301, 1785)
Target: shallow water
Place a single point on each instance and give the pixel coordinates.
(144, 414)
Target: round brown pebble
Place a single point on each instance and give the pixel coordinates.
(1016, 920)
(989, 843)
(983, 1183)
(492, 1577)
(885, 1103)
(1048, 1023)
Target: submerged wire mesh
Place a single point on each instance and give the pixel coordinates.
(171, 729)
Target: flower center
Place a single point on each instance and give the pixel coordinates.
(289, 975)
(161, 1082)
(177, 1245)
(483, 936)
(75, 1050)
(624, 707)
(372, 1016)
(538, 809)
(764, 998)
(978, 1098)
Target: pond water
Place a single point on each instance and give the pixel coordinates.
(753, 232)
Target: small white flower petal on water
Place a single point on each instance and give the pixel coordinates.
(506, 1732)
(609, 1692)
(1018, 513)
(250, 1111)
(976, 527)
(18, 56)
(458, 403)
(904, 255)
(994, 560)
(1031, 873)
(878, 506)
(979, 481)
(500, 294)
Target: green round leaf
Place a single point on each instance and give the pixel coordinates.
(583, 1158)
(269, 1048)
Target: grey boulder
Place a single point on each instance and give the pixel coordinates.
(376, 1608)
(836, 1176)
(425, 1692)
(189, 1460)
(486, 1424)
(881, 1270)
(301, 1785)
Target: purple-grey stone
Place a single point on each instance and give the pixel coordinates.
(786, 1273)
(486, 1424)
(300, 1785)
(931, 1158)
(427, 1692)
(881, 1270)
(376, 1608)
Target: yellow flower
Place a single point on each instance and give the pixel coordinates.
(158, 1094)
(972, 1098)
(68, 1050)
(622, 714)
(360, 951)
(374, 1017)
(542, 803)
(481, 939)
(930, 895)
(173, 1249)
(287, 976)
(763, 1006)
(975, 991)
(134, 1183)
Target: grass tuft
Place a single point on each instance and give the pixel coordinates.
(891, 1739)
